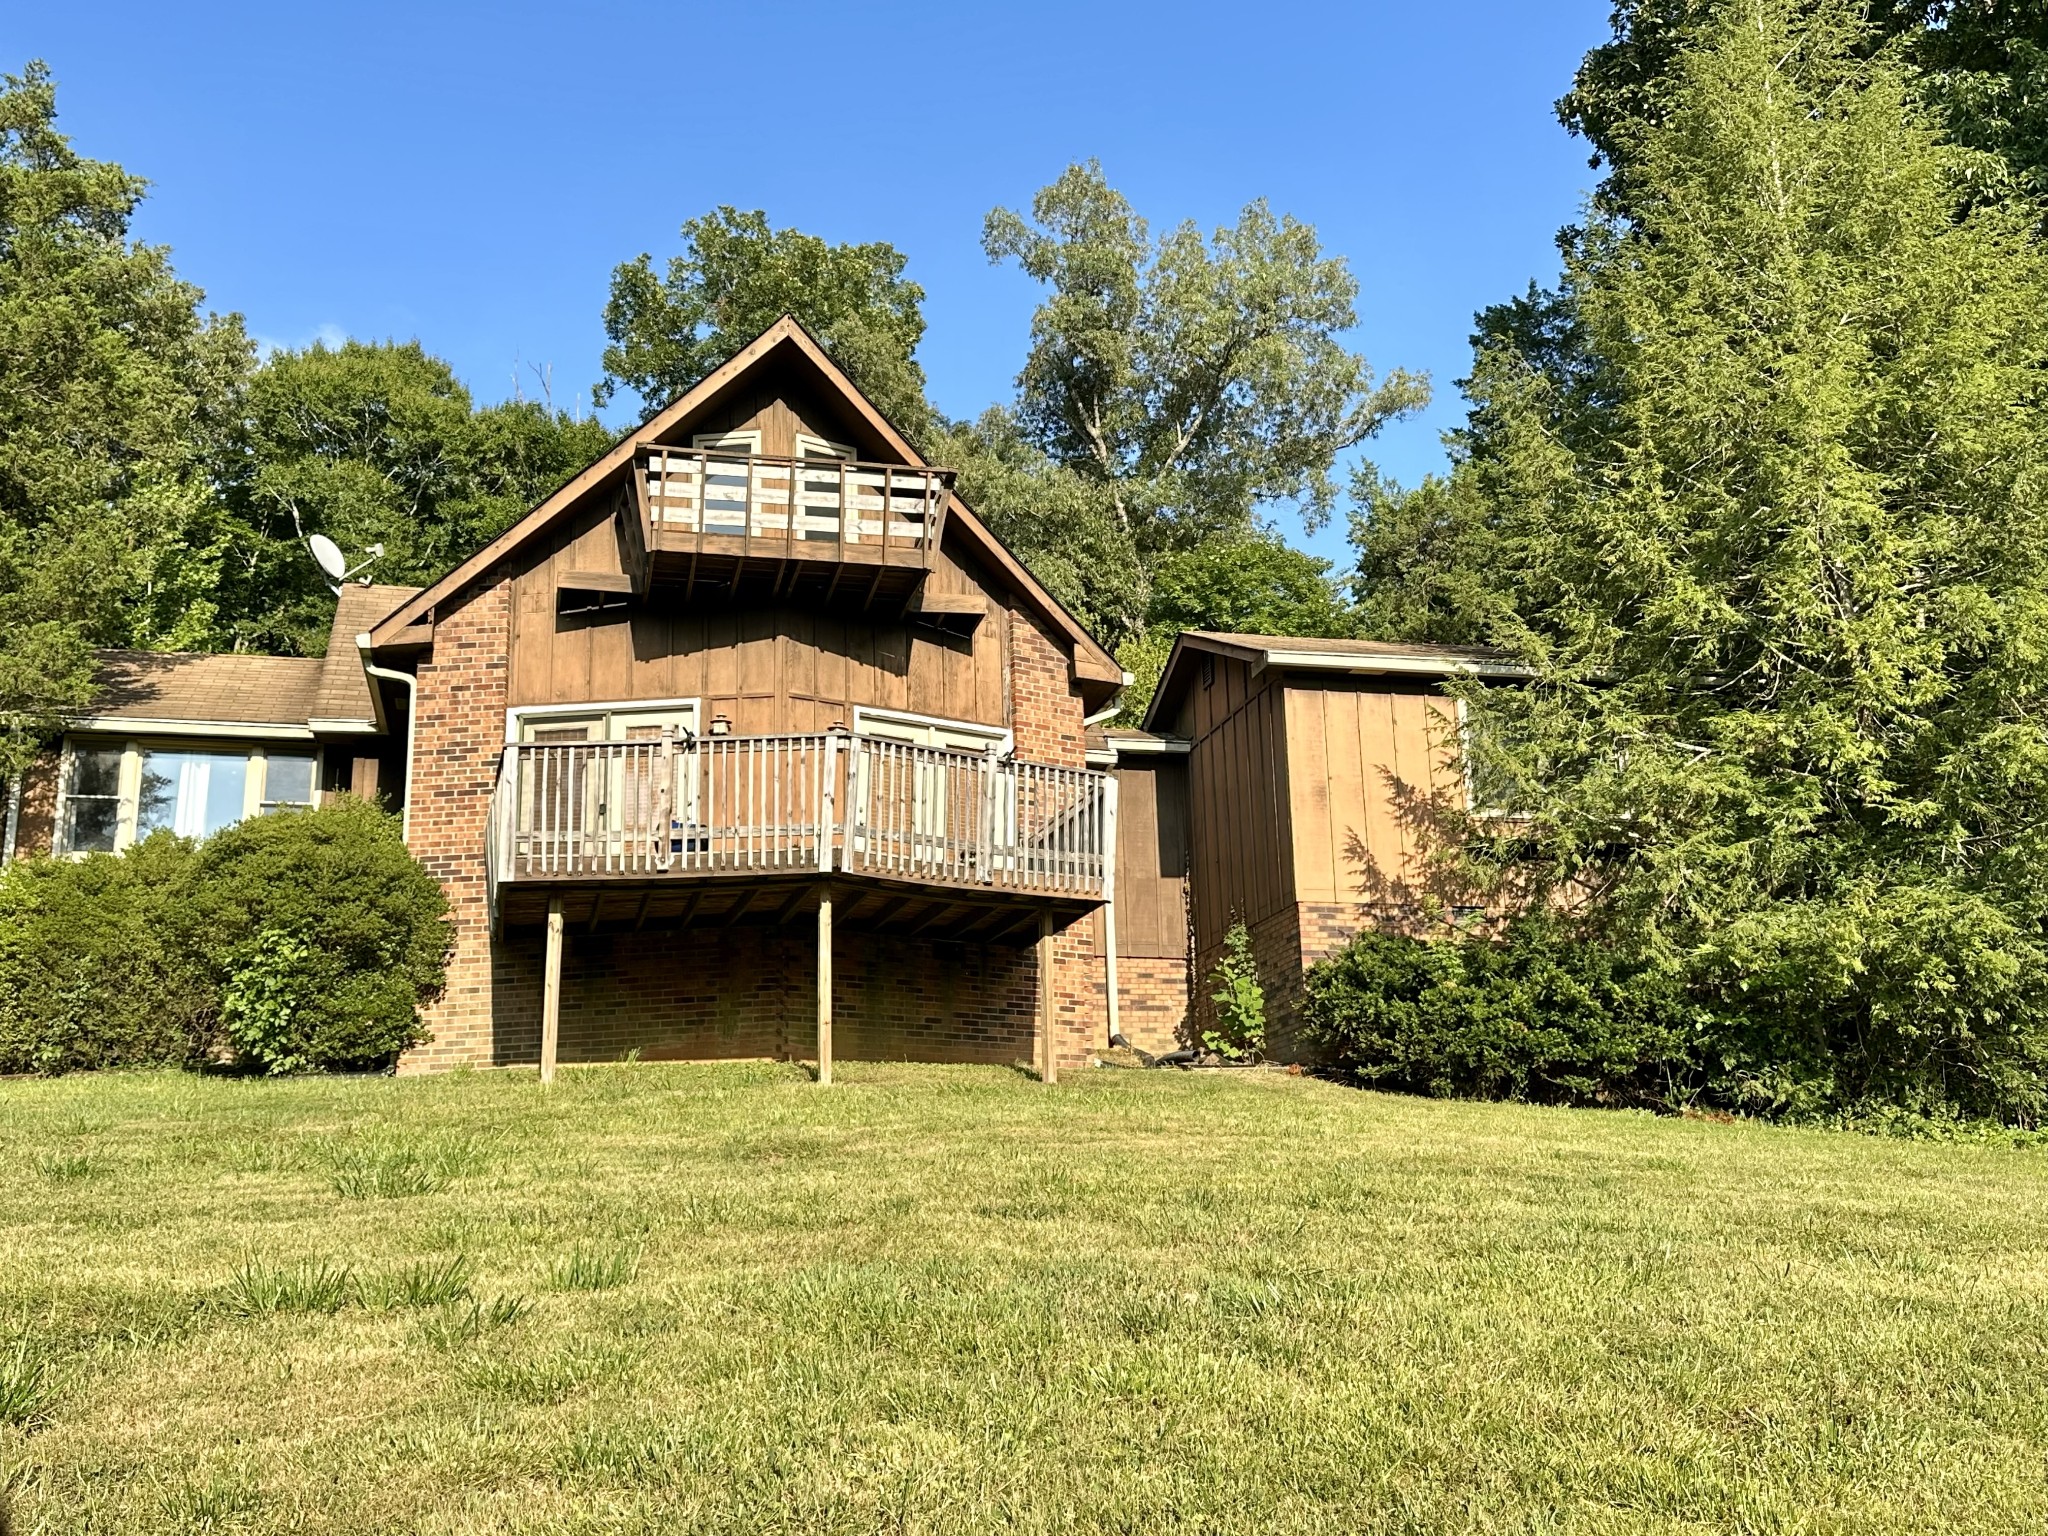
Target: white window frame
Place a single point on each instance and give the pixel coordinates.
(519, 714)
(128, 800)
(740, 440)
(1002, 737)
(810, 446)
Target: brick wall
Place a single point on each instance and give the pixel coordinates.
(1045, 712)
(459, 739)
(37, 828)
(744, 993)
(752, 992)
(1152, 999)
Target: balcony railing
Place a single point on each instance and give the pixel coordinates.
(763, 805)
(808, 505)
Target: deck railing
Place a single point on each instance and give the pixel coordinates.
(768, 804)
(793, 501)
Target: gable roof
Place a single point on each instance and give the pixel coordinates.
(172, 692)
(1302, 654)
(1093, 661)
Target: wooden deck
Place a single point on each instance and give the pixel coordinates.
(738, 829)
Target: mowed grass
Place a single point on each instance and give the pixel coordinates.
(718, 1298)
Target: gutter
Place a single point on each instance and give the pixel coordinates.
(1116, 702)
(1330, 661)
(412, 722)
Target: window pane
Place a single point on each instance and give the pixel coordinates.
(92, 824)
(194, 794)
(288, 780)
(96, 771)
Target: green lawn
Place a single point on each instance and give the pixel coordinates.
(718, 1298)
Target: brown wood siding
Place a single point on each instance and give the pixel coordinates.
(1242, 867)
(770, 668)
(1152, 858)
(1371, 758)
(779, 409)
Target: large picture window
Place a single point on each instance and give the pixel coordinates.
(115, 793)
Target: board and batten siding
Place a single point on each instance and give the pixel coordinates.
(1152, 858)
(1242, 864)
(770, 669)
(1368, 758)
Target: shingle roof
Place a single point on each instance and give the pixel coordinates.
(1269, 645)
(194, 686)
(1306, 656)
(198, 687)
(344, 690)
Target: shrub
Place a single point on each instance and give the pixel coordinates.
(1534, 1013)
(302, 941)
(96, 967)
(327, 936)
(1240, 1028)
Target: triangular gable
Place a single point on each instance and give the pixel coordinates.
(1092, 662)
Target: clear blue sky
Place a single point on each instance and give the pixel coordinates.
(469, 174)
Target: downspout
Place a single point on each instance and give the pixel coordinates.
(412, 720)
(1116, 1033)
(13, 820)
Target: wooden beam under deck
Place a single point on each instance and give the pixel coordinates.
(907, 911)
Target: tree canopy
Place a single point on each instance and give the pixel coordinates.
(371, 443)
(114, 389)
(735, 277)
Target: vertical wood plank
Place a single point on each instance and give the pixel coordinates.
(825, 987)
(1048, 1051)
(551, 995)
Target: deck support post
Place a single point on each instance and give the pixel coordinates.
(825, 986)
(551, 995)
(1048, 1051)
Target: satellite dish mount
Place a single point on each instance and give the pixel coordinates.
(334, 564)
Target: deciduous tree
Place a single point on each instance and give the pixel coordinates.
(113, 387)
(735, 277)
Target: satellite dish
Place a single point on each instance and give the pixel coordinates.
(328, 555)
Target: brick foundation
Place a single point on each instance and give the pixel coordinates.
(1152, 997)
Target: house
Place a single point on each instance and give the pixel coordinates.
(1296, 785)
(194, 742)
(753, 741)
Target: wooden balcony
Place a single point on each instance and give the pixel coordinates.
(682, 831)
(833, 526)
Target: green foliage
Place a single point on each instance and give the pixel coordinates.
(1985, 64)
(371, 443)
(1239, 1031)
(24, 1385)
(1173, 387)
(306, 941)
(261, 1290)
(113, 390)
(424, 1283)
(1782, 575)
(736, 277)
(329, 935)
(459, 1323)
(1249, 584)
(594, 1269)
(96, 966)
(1536, 1013)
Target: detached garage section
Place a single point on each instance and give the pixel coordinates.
(1309, 771)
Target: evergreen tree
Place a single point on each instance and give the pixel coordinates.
(1785, 582)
